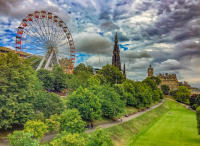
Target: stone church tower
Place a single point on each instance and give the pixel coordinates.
(150, 71)
(116, 54)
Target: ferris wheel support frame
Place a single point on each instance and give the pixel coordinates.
(40, 17)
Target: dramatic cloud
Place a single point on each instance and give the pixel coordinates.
(164, 33)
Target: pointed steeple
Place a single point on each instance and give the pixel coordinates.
(116, 54)
(116, 47)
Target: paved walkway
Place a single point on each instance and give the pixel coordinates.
(5, 142)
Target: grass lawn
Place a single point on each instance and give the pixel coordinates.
(171, 124)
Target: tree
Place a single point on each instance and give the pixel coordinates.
(130, 94)
(198, 119)
(59, 78)
(143, 94)
(69, 139)
(37, 128)
(53, 123)
(20, 138)
(47, 79)
(156, 80)
(86, 102)
(111, 104)
(182, 94)
(100, 138)
(82, 68)
(18, 82)
(112, 74)
(48, 103)
(71, 122)
(165, 89)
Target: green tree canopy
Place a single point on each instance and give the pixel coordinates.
(47, 78)
(165, 89)
(71, 122)
(37, 128)
(82, 68)
(111, 104)
(20, 138)
(112, 74)
(48, 103)
(100, 138)
(69, 139)
(182, 94)
(86, 102)
(18, 82)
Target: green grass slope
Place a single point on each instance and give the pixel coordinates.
(171, 124)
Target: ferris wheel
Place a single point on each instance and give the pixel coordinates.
(45, 34)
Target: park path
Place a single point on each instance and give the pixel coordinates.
(5, 142)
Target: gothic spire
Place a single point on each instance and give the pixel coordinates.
(116, 54)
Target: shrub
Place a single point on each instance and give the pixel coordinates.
(20, 138)
(198, 119)
(71, 122)
(48, 103)
(37, 128)
(100, 138)
(69, 139)
(53, 123)
(86, 102)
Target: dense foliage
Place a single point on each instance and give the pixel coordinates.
(18, 83)
(69, 139)
(198, 119)
(48, 103)
(111, 104)
(182, 95)
(112, 74)
(21, 138)
(100, 138)
(53, 80)
(165, 89)
(71, 122)
(195, 101)
(36, 128)
(86, 102)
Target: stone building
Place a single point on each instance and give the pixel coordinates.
(170, 80)
(166, 79)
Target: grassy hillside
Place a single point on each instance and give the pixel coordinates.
(170, 124)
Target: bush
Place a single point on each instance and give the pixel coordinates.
(53, 123)
(111, 104)
(37, 128)
(69, 139)
(182, 95)
(20, 138)
(48, 103)
(165, 89)
(100, 138)
(18, 83)
(86, 102)
(71, 122)
(198, 119)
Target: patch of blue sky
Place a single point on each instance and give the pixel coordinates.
(124, 46)
(81, 58)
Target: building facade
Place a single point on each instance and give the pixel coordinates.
(166, 79)
(170, 80)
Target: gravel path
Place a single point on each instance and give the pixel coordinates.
(5, 142)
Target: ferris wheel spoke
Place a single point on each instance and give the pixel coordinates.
(40, 29)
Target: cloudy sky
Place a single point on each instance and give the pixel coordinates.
(164, 33)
